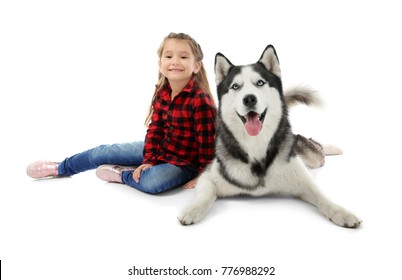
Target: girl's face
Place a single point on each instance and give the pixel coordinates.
(177, 62)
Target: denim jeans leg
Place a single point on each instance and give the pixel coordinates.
(119, 154)
(160, 178)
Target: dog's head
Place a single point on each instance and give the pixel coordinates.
(250, 94)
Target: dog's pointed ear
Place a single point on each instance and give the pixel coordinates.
(270, 60)
(222, 66)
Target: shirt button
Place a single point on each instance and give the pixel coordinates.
(172, 128)
(169, 113)
(168, 139)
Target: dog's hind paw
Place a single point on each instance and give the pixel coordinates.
(346, 219)
(332, 150)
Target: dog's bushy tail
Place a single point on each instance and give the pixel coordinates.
(305, 95)
(302, 95)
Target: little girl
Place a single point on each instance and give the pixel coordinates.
(179, 142)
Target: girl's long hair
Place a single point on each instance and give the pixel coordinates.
(200, 78)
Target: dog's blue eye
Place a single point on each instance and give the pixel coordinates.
(235, 86)
(260, 83)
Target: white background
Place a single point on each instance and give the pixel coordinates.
(76, 74)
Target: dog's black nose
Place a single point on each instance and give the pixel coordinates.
(250, 100)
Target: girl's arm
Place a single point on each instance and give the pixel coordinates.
(153, 138)
(205, 125)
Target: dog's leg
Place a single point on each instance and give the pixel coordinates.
(332, 211)
(312, 152)
(307, 190)
(205, 198)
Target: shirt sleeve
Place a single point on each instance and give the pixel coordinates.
(205, 125)
(153, 137)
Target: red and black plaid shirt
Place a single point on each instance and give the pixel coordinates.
(182, 130)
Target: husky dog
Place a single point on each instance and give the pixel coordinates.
(256, 152)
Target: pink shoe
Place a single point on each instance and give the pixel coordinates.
(42, 169)
(112, 173)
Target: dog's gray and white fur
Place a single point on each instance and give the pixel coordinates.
(256, 152)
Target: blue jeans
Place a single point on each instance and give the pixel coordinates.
(157, 179)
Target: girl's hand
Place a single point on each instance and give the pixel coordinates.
(190, 184)
(137, 172)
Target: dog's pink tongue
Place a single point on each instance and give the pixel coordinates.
(253, 124)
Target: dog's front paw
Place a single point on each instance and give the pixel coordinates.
(344, 218)
(191, 216)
